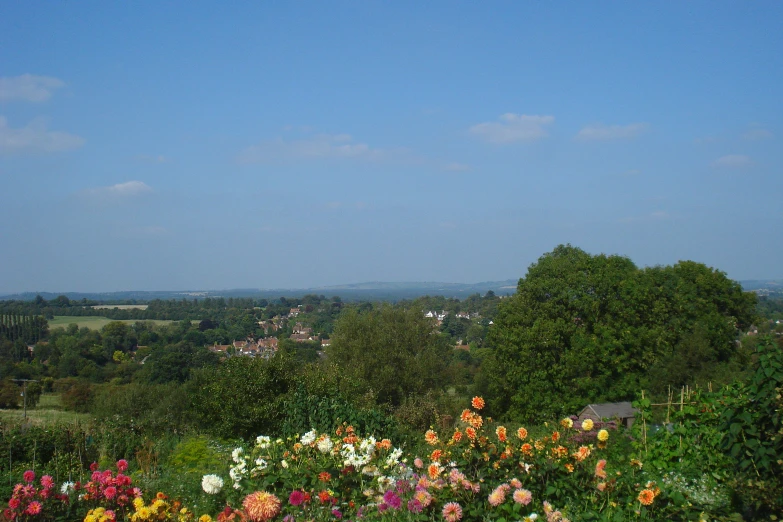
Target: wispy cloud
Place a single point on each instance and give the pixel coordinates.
(757, 134)
(121, 190)
(513, 128)
(456, 167)
(35, 137)
(28, 87)
(733, 161)
(601, 132)
(319, 146)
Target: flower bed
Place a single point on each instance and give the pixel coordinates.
(477, 470)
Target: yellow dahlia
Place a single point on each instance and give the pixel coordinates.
(603, 435)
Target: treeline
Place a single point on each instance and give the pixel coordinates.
(27, 329)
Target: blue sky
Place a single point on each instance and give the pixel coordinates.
(205, 145)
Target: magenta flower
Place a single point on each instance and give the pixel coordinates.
(29, 476)
(122, 465)
(110, 492)
(296, 498)
(392, 499)
(414, 506)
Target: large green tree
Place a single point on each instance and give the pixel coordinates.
(389, 352)
(584, 328)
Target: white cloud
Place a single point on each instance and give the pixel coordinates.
(319, 146)
(456, 167)
(757, 134)
(513, 127)
(601, 132)
(28, 87)
(35, 138)
(733, 161)
(121, 190)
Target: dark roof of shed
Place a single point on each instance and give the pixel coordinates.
(608, 410)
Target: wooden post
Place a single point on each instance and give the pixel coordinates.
(682, 406)
(644, 428)
(668, 404)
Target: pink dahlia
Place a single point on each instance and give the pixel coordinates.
(47, 481)
(452, 512)
(29, 476)
(33, 508)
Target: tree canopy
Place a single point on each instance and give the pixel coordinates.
(389, 352)
(589, 328)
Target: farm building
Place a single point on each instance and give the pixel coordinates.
(623, 411)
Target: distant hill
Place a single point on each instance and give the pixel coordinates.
(369, 291)
(377, 290)
(772, 287)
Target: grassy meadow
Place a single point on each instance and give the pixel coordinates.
(49, 411)
(93, 322)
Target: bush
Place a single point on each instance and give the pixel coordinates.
(78, 397)
(9, 395)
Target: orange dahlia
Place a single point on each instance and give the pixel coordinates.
(477, 403)
(600, 472)
(500, 431)
(646, 497)
(471, 433)
(522, 433)
(261, 506)
(431, 437)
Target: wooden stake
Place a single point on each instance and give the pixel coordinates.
(644, 428)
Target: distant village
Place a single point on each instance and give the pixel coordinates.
(267, 345)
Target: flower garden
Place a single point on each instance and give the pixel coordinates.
(476, 469)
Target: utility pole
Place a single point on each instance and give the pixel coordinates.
(24, 392)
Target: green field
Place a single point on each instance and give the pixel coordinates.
(94, 322)
(49, 411)
(120, 307)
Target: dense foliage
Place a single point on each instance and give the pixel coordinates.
(584, 329)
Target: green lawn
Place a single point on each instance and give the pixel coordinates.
(94, 322)
(48, 411)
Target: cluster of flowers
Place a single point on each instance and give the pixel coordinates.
(158, 509)
(479, 470)
(28, 499)
(107, 488)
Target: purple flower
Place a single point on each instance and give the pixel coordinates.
(414, 506)
(391, 498)
(336, 513)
